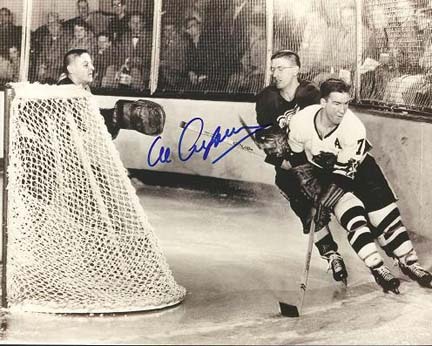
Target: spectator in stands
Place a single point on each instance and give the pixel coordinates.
(10, 34)
(398, 75)
(407, 46)
(198, 53)
(314, 51)
(424, 26)
(133, 52)
(173, 67)
(422, 92)
(98, 21)
(49, 43)
(5, 74)
(9, 68)
(83, 15)
(289, 24)
(345, 56)
(233, 38)
(197, 9)
(14, 62)
(381, 68)
(104, 57)
(425, 60)
(83, 38)
(251, 76)
(340, 32)
(120, 23)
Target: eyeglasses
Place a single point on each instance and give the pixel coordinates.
(281, 68)
(117, 5)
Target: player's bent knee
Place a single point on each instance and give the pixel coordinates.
(350, 212)
(389, 211)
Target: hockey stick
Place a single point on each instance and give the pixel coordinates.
(289, 310)
(252, 135)
(226, 141)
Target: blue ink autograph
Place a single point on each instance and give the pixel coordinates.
(196, 125)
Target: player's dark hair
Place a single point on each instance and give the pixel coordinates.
(286, 53)
(333, 85)
(70, 56)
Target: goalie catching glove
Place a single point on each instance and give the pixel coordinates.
(274, 141)
(144, 116)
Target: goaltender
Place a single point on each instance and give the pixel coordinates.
(144, 116)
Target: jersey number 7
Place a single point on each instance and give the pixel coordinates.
(361, 146)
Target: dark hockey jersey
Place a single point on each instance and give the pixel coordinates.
(106, 113)
(271, 106)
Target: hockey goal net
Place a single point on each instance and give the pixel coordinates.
(78, 240)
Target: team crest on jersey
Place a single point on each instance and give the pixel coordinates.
(289, 114)
(351, 168)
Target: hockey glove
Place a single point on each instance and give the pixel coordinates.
(325, 160)
(112, 127)
(321, 220)
(331, 196)
(308, 182)
(144, 116)
(274, 141)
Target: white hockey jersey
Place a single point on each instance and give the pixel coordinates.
(346, 144)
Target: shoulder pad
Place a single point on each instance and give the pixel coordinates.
(307, 94)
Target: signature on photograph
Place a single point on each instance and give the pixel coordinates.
(200, 146)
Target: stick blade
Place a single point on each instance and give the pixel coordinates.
(288, 310)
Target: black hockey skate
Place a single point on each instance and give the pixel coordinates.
(384, 277)
(337, 265)
(417, 273)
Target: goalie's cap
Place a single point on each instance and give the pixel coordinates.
(286, 53)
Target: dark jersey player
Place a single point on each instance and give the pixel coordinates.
(275, 106)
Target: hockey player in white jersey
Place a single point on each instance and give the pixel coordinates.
(332, 139)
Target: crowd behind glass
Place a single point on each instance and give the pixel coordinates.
(220, 46)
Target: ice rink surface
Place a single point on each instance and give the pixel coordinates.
(237, 257)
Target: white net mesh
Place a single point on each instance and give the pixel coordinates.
(78, 239)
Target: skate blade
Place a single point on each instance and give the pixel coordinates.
(393, 290)
(425, 285)
(288, 310)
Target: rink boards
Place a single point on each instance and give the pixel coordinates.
(401, 146)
